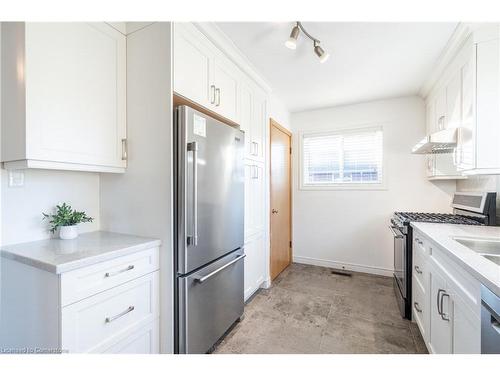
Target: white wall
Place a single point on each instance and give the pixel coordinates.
(482, 183)
(140, 201)
(23, 206)
(279, 112)
(350, 228)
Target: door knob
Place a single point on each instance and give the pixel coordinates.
(274, 211)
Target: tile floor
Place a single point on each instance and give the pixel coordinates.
(310, 310)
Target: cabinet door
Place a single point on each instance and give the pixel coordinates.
(454, 101)
(75, 93)
(192, 65)
(441, 110)
(430, 165)
(259, 125)
(255, 265)
(465, 142)
(440, 328)
(226, 80)
(254, 199)
(466, 328)
(430, 109)
(246, 111)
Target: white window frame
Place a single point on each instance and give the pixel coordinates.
(382, 185)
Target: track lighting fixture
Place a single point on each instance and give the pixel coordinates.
(294, 35)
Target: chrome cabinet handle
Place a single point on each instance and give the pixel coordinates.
(206, 277)
(441, 122)
(437, 301)
(110, 274)
(417, 307)
(193, 239)
(124, 149)
(417, 268)
(130, 309)
(212, 94)
(255, 172)
(443, 315)
(255, 148)
(217, 92)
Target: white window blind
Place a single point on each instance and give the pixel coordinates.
(342, 158)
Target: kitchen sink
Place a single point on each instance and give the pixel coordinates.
(487, 247)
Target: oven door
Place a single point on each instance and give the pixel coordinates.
(399, 258)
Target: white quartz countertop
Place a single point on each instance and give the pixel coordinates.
(58, 256)
(484, 270)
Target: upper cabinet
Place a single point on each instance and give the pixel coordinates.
(203, 74)
(467, 97)
(479, 136)
(64, 96)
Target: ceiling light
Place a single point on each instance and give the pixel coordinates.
(323, 56)
(294, 35)
(292, 41)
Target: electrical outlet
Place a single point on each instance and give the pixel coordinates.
(16, 178)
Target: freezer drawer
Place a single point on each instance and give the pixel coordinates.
(210, 301)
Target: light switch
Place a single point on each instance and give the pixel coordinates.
(16, 178)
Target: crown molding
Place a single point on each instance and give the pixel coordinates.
(456, 41)
(223, 42)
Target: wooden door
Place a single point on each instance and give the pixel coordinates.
(281, 237)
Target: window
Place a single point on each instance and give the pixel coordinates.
(342, 159)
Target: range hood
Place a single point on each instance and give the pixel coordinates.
(441, 142)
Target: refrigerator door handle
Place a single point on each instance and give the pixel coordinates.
(206, 277)
(193, 239)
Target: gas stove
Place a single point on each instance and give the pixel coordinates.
(406, 218)
(468, 209)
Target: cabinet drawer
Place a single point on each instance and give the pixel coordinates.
(85, 282)
(144, 340)
(420, 245)
(419, 270)
(108, 317)
(419, 309)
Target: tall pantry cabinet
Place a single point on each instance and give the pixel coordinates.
(206, 75)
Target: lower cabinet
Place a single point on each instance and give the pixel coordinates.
(255, 264)
(447, 309)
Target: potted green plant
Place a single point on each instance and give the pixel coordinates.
(66, 219)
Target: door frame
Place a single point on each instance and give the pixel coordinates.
(276, 125)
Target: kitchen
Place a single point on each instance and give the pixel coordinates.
(226, 211)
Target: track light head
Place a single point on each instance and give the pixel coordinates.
(294, 35)
(323, 56)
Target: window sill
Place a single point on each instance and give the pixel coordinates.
(381, 186)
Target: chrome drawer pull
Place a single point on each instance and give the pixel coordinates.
(417, 268)
(417, 307)
(110, 274)
(130, 309)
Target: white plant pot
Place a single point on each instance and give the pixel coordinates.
(69, 232)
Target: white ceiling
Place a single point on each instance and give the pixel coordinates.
(368, 61)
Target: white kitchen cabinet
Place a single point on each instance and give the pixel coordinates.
(440, 119)
(255, 264)
(440, 341)
(254, 198)
(445, 301)
(453, 114)
(112, 306)
(193, 60)
(203, 74)
(479, 136)
(63, 96)
(226, 80)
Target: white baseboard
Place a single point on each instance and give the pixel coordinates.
(347, 266)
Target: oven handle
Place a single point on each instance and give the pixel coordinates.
(393, 230)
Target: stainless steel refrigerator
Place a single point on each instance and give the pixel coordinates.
(209, 221)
